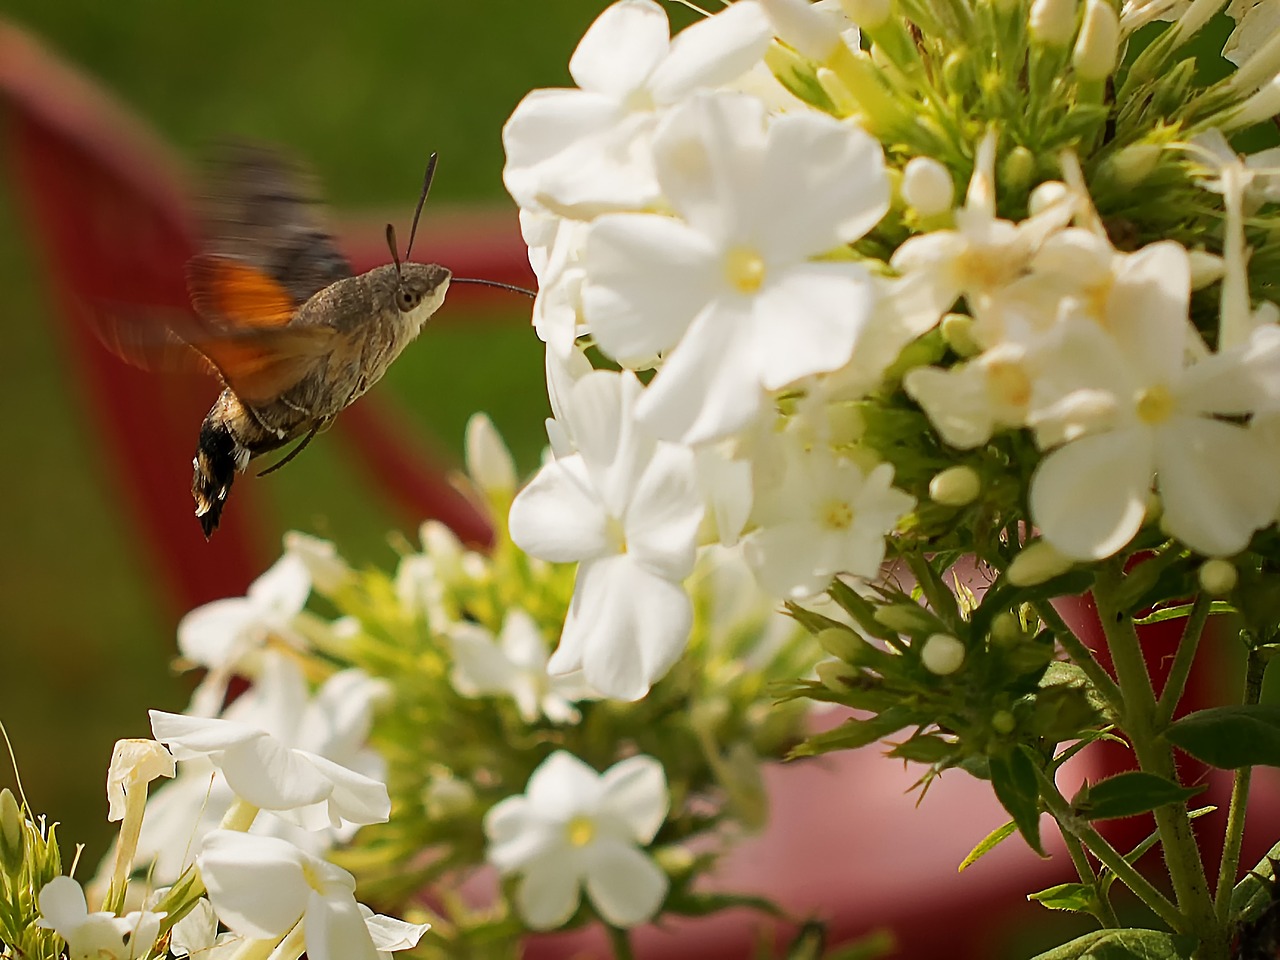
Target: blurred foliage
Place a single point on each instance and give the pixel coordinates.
(363, 92)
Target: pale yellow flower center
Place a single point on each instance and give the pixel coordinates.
(837, 514)
(580, 831)
(987, 268)
(1155, 405)
(1008, 383)
(1095, 299)
(745, 269)
(616, 534)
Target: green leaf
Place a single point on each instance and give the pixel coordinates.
(1129, 794)
(1124, 945)
(1230, 737)
(988, 843)
(1254, 892)
(1180, 611)
(1013, 776)
(1072, 897)
(702, 904)
(854, 733)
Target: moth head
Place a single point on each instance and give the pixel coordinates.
(420, 288)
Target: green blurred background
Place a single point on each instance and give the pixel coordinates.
(364, 92)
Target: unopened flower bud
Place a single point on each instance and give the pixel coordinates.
(957, 330)
(867, 14)
(927, 186)
(1218, 577)
(1134, 164)
(1036, 563)
(1262, 106)
(836, 675)
(1003, 722)
(675, 860)
(1018, 168)
(942, 654)
(1046, 195)
(13, 833)
(956, 486)
(840, 643)
(1094, 56)
(1206, 268)
(446, 796)
(1053, 22)
(1006, 630)
(907, 618)
(489, 461)
(814, 33)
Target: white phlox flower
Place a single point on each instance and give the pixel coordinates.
(626, 507)
(971, 400)
(1257, 21)
(575, 828)
(729, 292)
(514, 665)
(327, 570)
(1122, 407)
(579, 152)
(134, 764)
(828, 515)
(95, 936)
(226, 636)
(266, 773)
(261, 887)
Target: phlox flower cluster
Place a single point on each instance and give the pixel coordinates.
(770, 325)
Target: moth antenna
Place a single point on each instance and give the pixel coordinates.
(426, 188)
(497, 283)
(391, 245)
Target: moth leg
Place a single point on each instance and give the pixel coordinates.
(296, 450)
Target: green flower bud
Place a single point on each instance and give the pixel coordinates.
(956, 486)
(867, 14)
(836, 675)
(1003, 722)
(1006, 630)
(13, 833)
(1046, 195)
(1094, 56)
(907, 618)
(957, 330)
(1053, 22)
(841, 643)
(1218, 577)
(1018, 169)
(1133, 164)
(942, 654)
(1036, 563)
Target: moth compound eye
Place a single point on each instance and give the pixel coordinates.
(408, 299)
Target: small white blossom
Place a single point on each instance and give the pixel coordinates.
(575, 828)
(95, 936)
(134, 764)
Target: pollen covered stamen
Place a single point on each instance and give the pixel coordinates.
(745, 269)
(580, 831)
(837, 514)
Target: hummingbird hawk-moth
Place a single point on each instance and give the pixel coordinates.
(279, 317)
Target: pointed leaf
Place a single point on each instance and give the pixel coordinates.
(1230, 737)
(1124, 945)
(1013, 776)
(854, 733)
(1254, 892)
(1129, 794)
(989, 843)
(1180, 611)
(1072, 897)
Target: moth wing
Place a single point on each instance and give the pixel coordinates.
(259, 365)
(262, 208)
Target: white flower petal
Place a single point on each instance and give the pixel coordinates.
(211, 635)
(782, 557)
(1217, 483)
(558, 516)
(807, 320)
(335, 928)
(256, 884)
(562, 787)
(625, 886)
(635, 791)
(516, 835)
(1089, 497)
(647, 277)
(548, 893)
(621, 48)
(355, 797)
(628, 625)
(62, 904)
(479, 666)
(391, 933)
(1147, 309)
(271, 776)
(283, 589)
(709, 386)
(712, 52)
(663, 516)
(543, 127)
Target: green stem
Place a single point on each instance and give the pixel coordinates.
(1181, 855)
(1081, 655)
(1102, 910)
(620, 940)
(1255, 669)
(1108, 855)
(1182, 660)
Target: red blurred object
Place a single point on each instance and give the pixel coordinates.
(111, 221)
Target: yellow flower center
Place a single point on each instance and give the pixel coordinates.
(837, 514)
(580, 831)
(1008, 383)
(987, 268)
(616, 534)
(1155, 405)
(745, 269)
